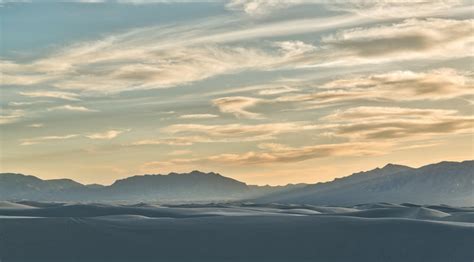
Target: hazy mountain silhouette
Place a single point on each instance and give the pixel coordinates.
(195, 185)
(18, 186)
(442, 183)
(445, 183)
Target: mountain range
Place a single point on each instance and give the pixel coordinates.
(442, 183)
(195, 186)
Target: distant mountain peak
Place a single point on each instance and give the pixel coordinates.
(197, 172)
(194, 172)
(385, 170)
(395, 167)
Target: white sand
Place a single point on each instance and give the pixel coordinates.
(246, 232)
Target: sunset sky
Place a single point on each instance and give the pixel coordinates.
(266, 92)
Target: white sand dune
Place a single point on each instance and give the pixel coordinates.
(7, 204)
(400, 212)
(234, 232)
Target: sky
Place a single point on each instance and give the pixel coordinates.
(266, 92)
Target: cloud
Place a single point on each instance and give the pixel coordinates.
(368, 130)
(165, 56)
(394, 9)
(279, 86)
(198, 116)
(71, 108)
(239, 132)
(431, 38)
(37, 125)
(42, 139)
(174, 141)
(444, 83)
(277, 153)
(27, 103)
(325, 97)
(294, 48)
(260, 7)
(110, 134)
(237, 106)
(90, 1)
(371, 113)
(438, 84)
(146, 2)
(130, 2)
(373, 9)
(20, 74)
(9, 116)
(141, 68)
(372, 123)
(180, 152)
(168, 56)
(52, 94)
(277, 90)
(189, 134)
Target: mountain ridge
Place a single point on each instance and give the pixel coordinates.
(389, 182)
(446, 182)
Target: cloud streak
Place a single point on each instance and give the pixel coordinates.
(278, 154)
(107, 135)
(42, 139)
(431, 38)
(11, 116)
(198, 116)
(239, 131)
(396, 86)
(381, 123)
(52, 94)
(238, 106)
(163, 57)
(71, 108)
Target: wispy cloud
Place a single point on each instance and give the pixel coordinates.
(370, 113)
(10, 116)
(71, 108)
(198, 116)
(238, 105)
(259, 7)
(107, 135)
(277, 90)
(163, 56)
(394, 9)
(279, 154)
(439, 84)
(52, 94)
(173, 141)
(275, 153)
(369, 123)
(431, 38)
(378, 9)
(240, 132)
(24, 103)
(42, 139)
(180, 152)
(166, 57)
(36, 125)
